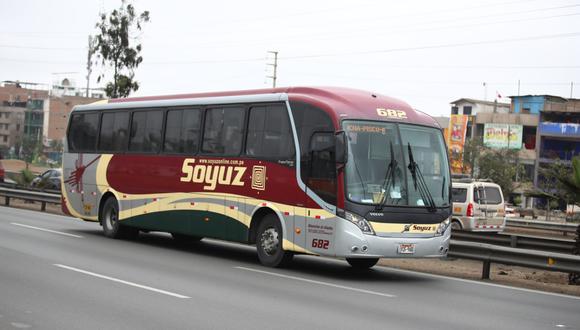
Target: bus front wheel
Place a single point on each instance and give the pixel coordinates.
(362, 263)
(110, 222)
(269, 243)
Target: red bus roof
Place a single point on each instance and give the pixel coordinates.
(340, 103)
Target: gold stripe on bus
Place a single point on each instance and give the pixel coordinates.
(289, 246)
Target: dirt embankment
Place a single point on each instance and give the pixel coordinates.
(15, 166)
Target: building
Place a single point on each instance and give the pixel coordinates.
(496, 126)
(473, 107)
(558, 134)
(37, 111)
(11, 127)
(543, 128)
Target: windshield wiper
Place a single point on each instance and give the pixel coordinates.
(390, 175)
(419, 182)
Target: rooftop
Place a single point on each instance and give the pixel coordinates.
(468, 100)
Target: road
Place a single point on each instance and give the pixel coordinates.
(61, 273)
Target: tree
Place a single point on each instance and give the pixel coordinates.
(501, 167)
(563, 180)
(30, 149)
(113, 46)
(472, 151)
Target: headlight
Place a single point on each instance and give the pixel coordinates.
(361, 222)
(442, 227)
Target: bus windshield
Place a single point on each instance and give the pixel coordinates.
(378, 171)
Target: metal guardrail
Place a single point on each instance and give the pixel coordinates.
(489, 253)
(466, 245)
(535, 224)
(559, 245)
(30, 195)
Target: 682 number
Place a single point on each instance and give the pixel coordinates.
(320, 243)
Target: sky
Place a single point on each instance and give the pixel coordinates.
(427, 53)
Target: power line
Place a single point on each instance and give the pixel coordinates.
(428, 26)
(369, 52)
(37, 47)
(451, 45)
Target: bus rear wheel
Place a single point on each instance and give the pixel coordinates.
(269, 243)
(362, 263)
(110, 221)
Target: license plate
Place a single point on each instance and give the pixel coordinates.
(406, 248)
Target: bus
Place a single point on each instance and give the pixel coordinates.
(331, 171)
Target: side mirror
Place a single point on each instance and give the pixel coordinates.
(341, 146)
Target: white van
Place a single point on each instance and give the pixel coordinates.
(477, 206)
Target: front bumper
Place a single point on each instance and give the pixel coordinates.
(352, 243)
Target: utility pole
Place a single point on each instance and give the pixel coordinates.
(571, 89)
(274, 67)
(484, 91)
(518, 87)
(89, 63)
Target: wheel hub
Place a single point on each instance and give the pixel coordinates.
(112, 218)
(269, 241)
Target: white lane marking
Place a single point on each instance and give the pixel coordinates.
(560, 295)
(123, 282)
(46, 230)
(318, 282)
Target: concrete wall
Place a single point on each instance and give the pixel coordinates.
(534, 103)
(508, 118)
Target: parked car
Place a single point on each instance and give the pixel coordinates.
(50, 179)
(477, 206)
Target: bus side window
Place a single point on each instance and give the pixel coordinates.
(82, 135)
(146, 131)
(182, 131)
(222, 133)
(113, 136)
(317, 166)
(269, 133)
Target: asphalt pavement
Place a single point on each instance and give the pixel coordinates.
(61, 273)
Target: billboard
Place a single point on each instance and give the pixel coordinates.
(457, 131)
(501, 136)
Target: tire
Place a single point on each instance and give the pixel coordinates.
(362, 263)
(185, 239)
(456, 225)
(110, 221)
(269, 243)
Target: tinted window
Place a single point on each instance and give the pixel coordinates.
(317, 156)
(489, 195)
(182, 131)
(222, 132)
(82, 135)
(269, 133)
(458, 195)
(146, 131)
(114, 131)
